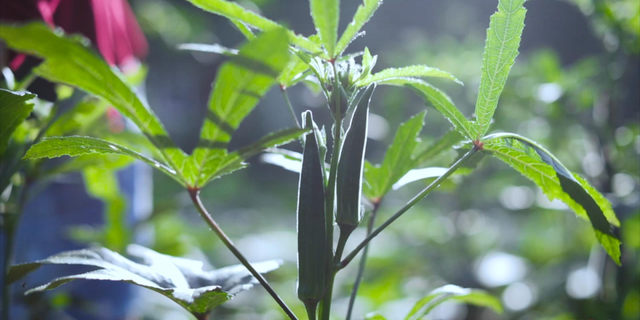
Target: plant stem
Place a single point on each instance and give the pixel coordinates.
(325, 304)
(363, 260)
(195, 197)
(408, 206)
(286, 99)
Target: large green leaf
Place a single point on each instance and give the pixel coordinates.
(440, 101)
(14, 108)
(240, 84)
(475, 297)
(68, 60)
(541, 167)
(363, 14)
(326, 14)
(73, 146)
(235, 12)
(397, 161)
(501, 49)
(179, 279)
(404, 72)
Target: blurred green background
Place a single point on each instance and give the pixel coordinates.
(574, 88)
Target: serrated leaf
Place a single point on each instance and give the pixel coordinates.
(363, 14)
(293, 73)
(235, 12)
(67, 60)
(500, 52)
(440, 101)
(404, 72)
(541, 167)
(326, 14)
(240, 84)
(14, 109)
(181, 280)
(73, 146)
(368, 62)
(397, 161)
(475, 297)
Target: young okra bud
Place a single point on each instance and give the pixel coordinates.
(312, 257)
(350, 167)
(338, 95)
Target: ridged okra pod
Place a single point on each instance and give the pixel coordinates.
(312, 258)
(350, 167)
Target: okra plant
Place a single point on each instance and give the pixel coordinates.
(335, 188)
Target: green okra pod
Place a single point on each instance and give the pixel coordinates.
(350, 167)
(312, 257)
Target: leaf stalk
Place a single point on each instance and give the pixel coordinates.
(195, 197)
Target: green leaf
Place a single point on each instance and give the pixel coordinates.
(235, 12)
(312, 233)
(326, 14)
(475, 297)
(440, 101)
(351, 164)
(404, 72)
(500, 52)
(293, 73)
(363, 14)
(541, 167)
(73, 146)
(14, 108)
(240, 84)
(67, 60)
(368, 62)
(397, 161)
(444, 143)
(374, 316)
(179, 279)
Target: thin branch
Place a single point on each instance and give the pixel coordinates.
(408, 206)
(286, 99)
(363, 260)
(195, 197)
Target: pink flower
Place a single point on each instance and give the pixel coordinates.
(109, 24)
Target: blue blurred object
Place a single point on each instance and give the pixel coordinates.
(44, 231)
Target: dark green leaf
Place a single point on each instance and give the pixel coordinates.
(451, 292)
(14, 108)
(500, 52)
(181, 280)
(540, 166)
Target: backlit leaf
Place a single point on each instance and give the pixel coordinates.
(326, 14)
(541, 167)
(363, 14)
(404, 72)
(235, 12)
(500, 52)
